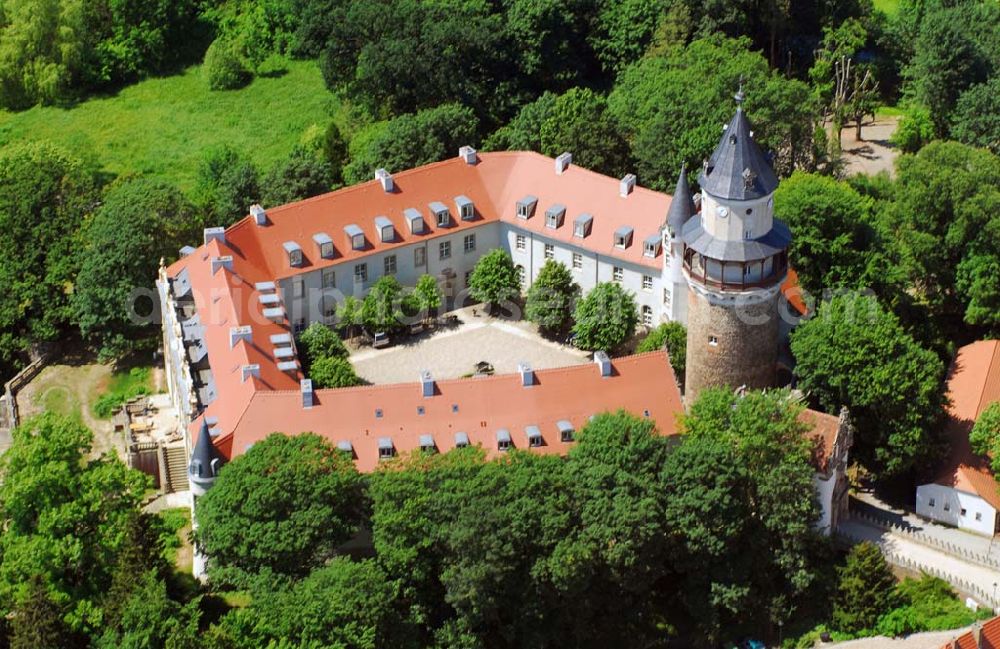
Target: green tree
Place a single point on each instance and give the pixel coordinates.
(245, 526)
(334, 150)
(866, 589)
(43, 196)
(139, 222)
(224, 67)
(847, 355)
(577, 121)
(495, 280)
(411, 140)
(763, 491)
(946, 61)
(64, 519)
(833, 244)
(985, 434)
(667, 121)
(37, 620)
(333, 372)
(349, 604)
(976, 120)
(41, 51)
(319, 341)
(552, 297)
(427, 294)
(227, 184)
(349, 315)
(382, 307)
(605, 318)
(150, 619)
(301, 175)
(625, 30)
(671, 336)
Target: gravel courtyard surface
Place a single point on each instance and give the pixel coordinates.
(931, 640)
(451, 354)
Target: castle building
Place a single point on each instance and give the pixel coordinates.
(735, 261)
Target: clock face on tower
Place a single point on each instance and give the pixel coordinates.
(722, 212)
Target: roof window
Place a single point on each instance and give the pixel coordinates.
(294, 253)
(623, 237)
(554, 216)
(526, 207)
(582, 225)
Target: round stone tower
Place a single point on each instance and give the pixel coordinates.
(735, 259)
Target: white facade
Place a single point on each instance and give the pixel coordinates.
(951, 506)
(311, 295)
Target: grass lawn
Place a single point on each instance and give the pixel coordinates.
(161, 127)
(888, 7)
(121, 386)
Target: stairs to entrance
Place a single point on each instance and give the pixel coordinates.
(176, 462)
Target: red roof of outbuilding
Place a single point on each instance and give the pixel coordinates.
(989, 637)
(973, 384)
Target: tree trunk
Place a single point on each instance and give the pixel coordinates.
(857, 129)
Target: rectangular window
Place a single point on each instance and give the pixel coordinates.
(666, 297)
(468, 274)
(947, 507)
(580, 230)
(577, 261)
(390, 265)
(552, 221)
(468, 211)
(298, 287)
(647, 283)
(329, 278)
(419, 257)
(963, 511)
(326, 249)
(386, 452)
(713, 341)
(748, 234)
(550, 251)
(469, 243)
(299, 326)
(519, 242)
(444, 250)
(360, 272)
(930, 502)
(979, 516)
(619, 241)
(443, 218)
(617, 273)
(647, 316)
(295, 257)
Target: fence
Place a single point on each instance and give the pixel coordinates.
(872, 516)
(965, 586)
(9, 417)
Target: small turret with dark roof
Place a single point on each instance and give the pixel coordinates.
(738, 170)
(205, 462)
(681, 205)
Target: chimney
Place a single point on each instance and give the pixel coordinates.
(977, 634)
(626, 185)
(222, 262)
(603, 362)
(527, 375)
(236, 334)
(468, 154)
(258, 214)
(251, 371)
(426, 383)
(215, 234)
(385, 178)
(306, 387)
(562, 162)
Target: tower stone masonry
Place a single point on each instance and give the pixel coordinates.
(734, 260)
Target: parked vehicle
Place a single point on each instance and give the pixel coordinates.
(381, 339)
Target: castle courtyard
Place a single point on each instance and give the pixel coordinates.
(453, 353)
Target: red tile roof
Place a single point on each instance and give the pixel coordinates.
(824, 429)
(494, 184)
(973, 384)
(989, 637)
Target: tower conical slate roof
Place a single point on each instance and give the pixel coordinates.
(681, 205)
(200, 467)
(738, 170)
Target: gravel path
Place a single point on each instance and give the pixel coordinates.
(874, 153)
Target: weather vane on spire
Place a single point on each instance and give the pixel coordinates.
(740, 95)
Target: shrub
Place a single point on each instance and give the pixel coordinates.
(123, 388)
(224, 68)
(319, 341)
(671, 336)
(914, 131)
(334, 373)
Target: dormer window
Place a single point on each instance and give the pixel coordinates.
(385, 448)
(441, 214)
(503, 440)
(427, 444)
(461, 440)
(526, 207)
(414, 220)
(294, 253)
(466, 208)
(623, 237)
(386, 232)
(651, 246)
(565, 430)
(325, 245)
(355, 237)
(534, 436)
(582, 225)
(554, 216)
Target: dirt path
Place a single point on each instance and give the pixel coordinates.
(874, 153)
(68, 388)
